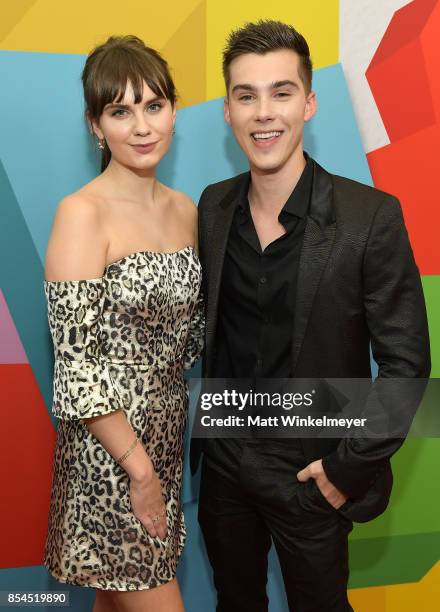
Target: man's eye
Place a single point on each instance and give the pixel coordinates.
(246, 98)
(282, 94)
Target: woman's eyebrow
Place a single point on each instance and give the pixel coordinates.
(127, 106)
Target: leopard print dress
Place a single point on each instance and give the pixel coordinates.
(121, 341)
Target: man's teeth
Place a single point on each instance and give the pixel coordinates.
(266, 135)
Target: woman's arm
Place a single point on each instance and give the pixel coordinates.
(77, 252)
(116, 435)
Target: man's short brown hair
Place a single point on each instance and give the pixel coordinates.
(262, 37)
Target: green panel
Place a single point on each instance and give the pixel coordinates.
(431, 287)
(394, 560)
(415, 501)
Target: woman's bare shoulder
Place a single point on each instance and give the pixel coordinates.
(183, 202)
(78, 207)
(77, 245)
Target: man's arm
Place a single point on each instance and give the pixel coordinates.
(396, 317)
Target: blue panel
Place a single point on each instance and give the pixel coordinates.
(45, 145)
(21, 279)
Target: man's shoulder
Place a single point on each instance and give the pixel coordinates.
(215, 192)
(353, 192)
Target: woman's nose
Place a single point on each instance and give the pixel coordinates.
(142, 125)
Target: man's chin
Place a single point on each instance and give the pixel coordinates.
(265, 168)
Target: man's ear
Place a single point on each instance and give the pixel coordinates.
(311, 106)
(226, 111)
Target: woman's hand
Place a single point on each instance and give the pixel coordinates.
(148, 505)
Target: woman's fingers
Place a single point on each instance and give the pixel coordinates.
(160, 522)
(155, 522)
(148, 505)
(149, 526)
(161, 529)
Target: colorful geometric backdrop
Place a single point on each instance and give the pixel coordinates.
(377, 77)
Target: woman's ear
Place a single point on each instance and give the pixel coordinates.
(93, 125)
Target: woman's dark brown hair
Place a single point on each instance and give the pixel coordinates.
(111, 65)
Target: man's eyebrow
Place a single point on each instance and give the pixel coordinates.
(127, 106)
(273, 85)
(277, 84)
(245, 86)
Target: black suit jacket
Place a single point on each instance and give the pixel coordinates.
(357, 283)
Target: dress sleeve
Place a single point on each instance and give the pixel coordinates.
(196, 333)
(82, 385)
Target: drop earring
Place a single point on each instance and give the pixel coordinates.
(101, 143)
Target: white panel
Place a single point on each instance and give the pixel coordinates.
(362, 26)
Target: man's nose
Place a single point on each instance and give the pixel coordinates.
(264, 110)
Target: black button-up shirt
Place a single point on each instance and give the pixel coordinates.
(258, 290)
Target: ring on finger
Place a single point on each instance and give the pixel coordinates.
(157, 518)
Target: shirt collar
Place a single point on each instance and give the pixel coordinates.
(297, 203)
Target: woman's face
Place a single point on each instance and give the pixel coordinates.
(138, 135)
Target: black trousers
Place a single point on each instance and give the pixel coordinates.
(249, 497)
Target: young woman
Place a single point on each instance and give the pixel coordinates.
(125, 313)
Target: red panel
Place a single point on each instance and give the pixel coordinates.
(431, 51)
(406, 25)
(404, 76)
(410, 170)
(401, 89)
(26, 452)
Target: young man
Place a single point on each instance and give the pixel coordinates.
(302, 270)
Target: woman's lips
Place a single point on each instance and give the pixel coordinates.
(143, 149)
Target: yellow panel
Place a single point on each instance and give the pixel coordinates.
(186, 54)
(423, 595)
(11, 13)
(315, 19)
(77, 26)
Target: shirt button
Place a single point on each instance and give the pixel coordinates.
(263, 279)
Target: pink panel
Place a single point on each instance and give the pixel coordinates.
(11, 348)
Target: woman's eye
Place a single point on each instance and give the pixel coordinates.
(155, 107)
(116, 112)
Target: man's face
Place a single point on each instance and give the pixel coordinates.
(267, 106)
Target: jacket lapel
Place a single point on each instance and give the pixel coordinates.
(317, 243)
(219, 239)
